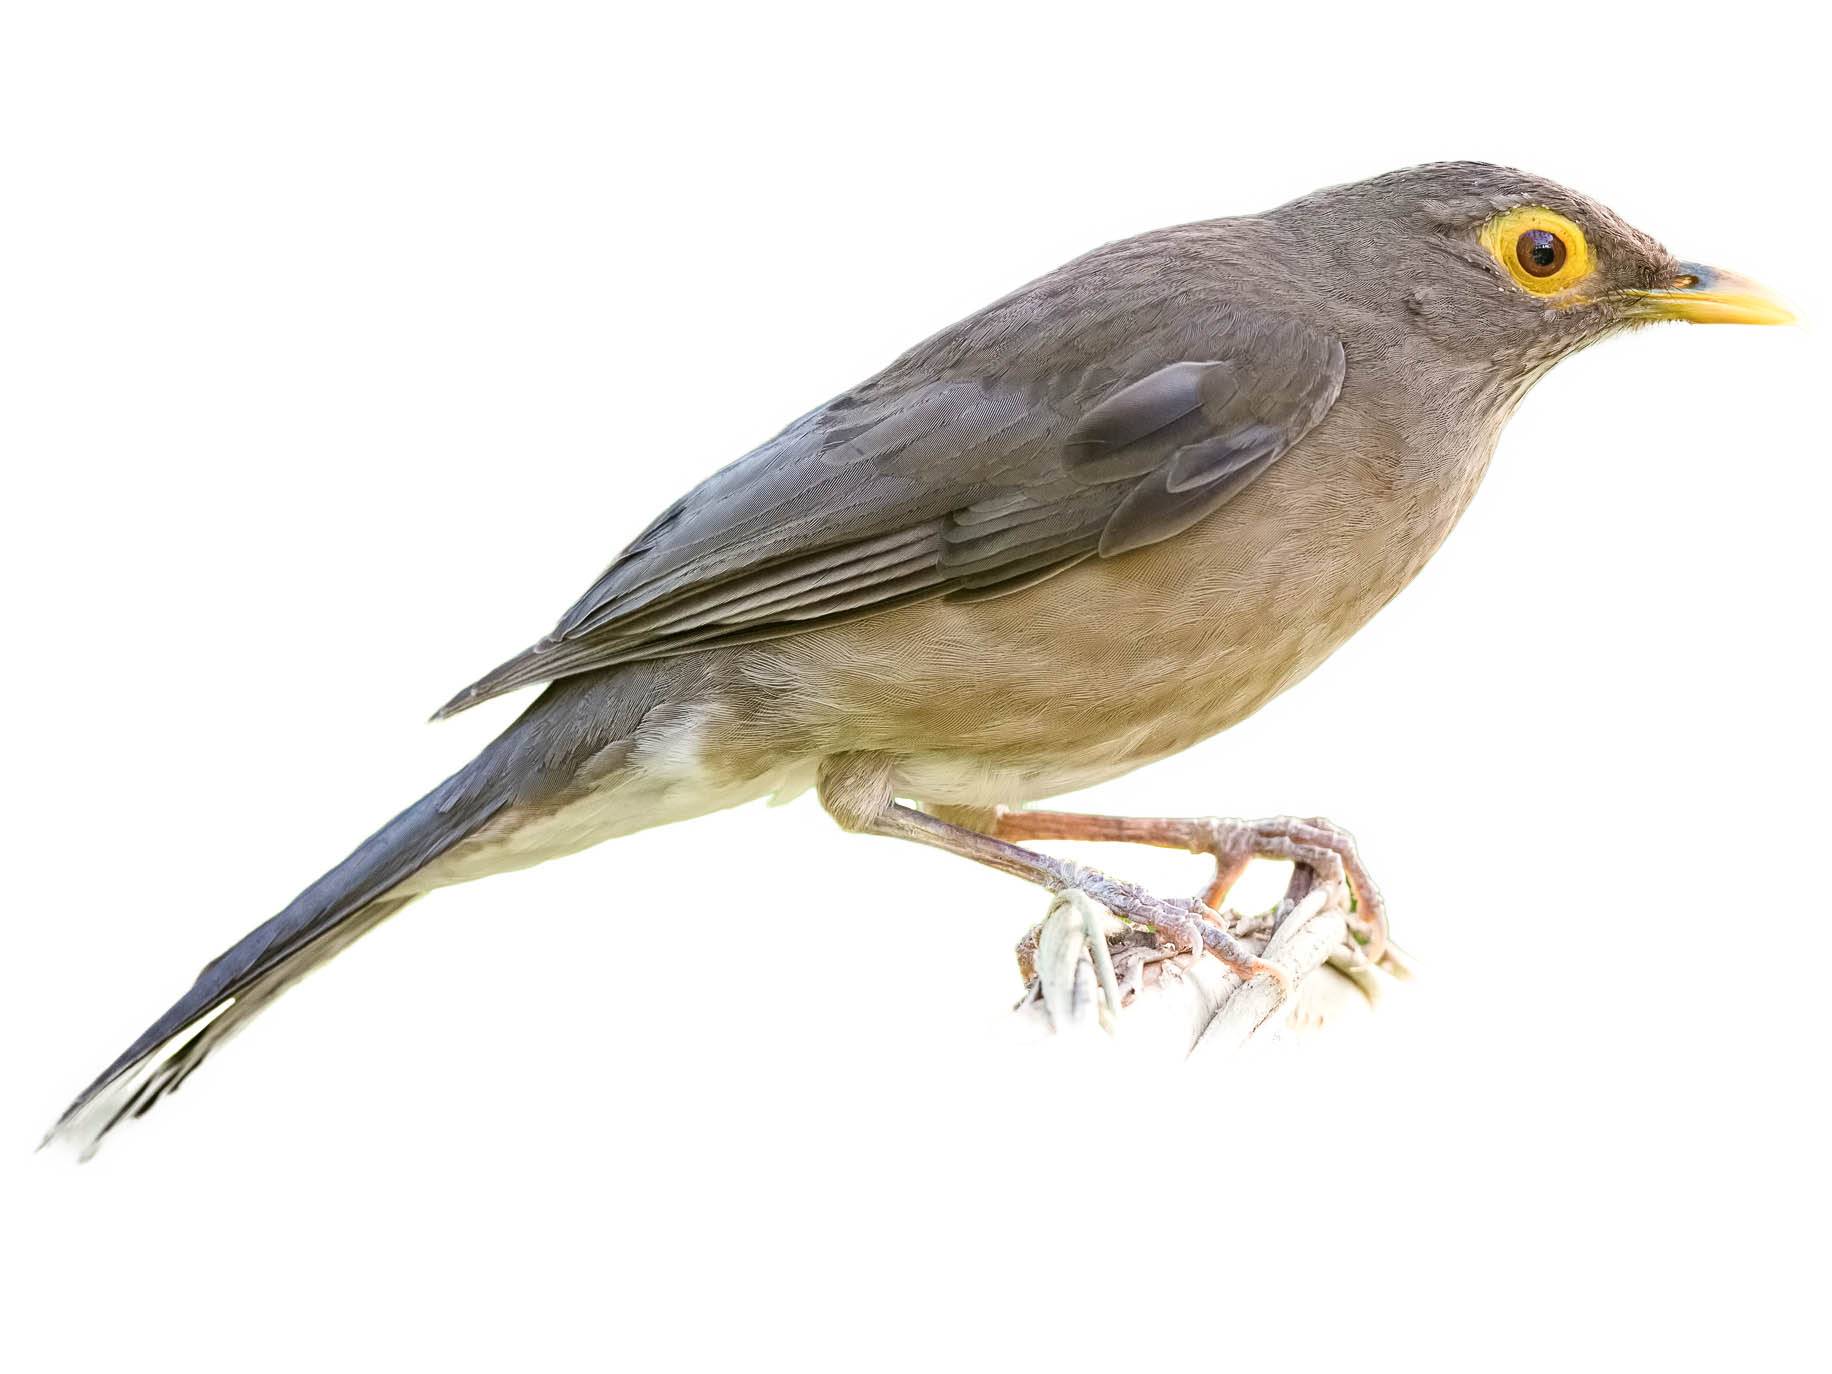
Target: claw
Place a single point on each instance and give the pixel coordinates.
(1274, 973)
(1322, 855)
(1232, 953)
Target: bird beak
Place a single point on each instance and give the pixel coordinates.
(1705, 295)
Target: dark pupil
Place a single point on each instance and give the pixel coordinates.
(1541, 252)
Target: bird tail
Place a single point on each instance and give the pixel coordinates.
(347, 902)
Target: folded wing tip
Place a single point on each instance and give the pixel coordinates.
(492, 684)
(464, 699)
(529, 666)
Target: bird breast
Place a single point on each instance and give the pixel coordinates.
(1118, 661)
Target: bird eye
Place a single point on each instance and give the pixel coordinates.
(1540, 252)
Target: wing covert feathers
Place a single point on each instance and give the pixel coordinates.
(964, 487)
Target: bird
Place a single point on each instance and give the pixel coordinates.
(1106, 517)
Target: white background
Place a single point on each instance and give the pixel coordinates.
(343, 344)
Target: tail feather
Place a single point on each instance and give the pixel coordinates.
(346, 903)
(579, 721)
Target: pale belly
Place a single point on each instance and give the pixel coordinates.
(968, 780)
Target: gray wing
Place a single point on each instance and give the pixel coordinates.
(951, 485)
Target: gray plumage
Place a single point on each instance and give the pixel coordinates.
(1185, 467)
(922, 483)
(524, 767)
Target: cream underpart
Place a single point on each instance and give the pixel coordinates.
(947, 779)
(620, 790)
(667, 779)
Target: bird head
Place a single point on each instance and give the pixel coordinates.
(1506, 271)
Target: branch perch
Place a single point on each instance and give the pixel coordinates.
(1090, 972)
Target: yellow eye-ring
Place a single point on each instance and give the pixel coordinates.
(1543, 252)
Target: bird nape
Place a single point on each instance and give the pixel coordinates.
(1238, 439)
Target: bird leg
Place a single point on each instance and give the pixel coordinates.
(1318, 850)
(856, 790)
